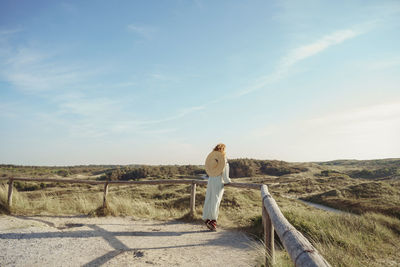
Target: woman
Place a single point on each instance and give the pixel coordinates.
(217, 168)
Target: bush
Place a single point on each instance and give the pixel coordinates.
(252, 167)
(26, 186)
(132, 173)
(372, 174)
(63, 173)
(328, 173)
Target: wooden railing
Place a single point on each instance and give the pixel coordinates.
(300, 250)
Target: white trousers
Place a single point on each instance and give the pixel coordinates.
(215, 190)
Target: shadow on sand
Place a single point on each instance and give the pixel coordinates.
(223, 238)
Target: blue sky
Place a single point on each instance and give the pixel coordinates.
(161, 82)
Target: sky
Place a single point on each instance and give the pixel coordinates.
(162, 82)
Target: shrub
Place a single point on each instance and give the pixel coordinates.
(63, 173)
(378, 173)
(252, 167)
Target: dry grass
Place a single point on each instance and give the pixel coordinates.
(347, 240)
(282, 258)
(376, 196)
(50, 203)
(368, 240)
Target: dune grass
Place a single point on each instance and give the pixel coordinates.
(50, 202)
(347, 240)
(370, 239)
(371, 196)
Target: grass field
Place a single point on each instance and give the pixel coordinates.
(369, 237)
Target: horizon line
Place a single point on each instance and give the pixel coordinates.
(172, 164)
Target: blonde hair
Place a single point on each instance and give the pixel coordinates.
(220, 147)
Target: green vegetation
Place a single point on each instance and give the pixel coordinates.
(9, 170)
(380, 197)
(238, 168)
(251, 167)
(369, 164)
(348, 240)
(139, 172)
(370, 238)
(378, 173)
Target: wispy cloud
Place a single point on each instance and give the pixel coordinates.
(306, 51)
(361, 132)
(33, 71)
(143, 30)
(164, 77)
(180, 114)
(299, 54)
(7, 110)
(348, 122)
(67, 87)
(382, 64)
(302, 53)
(124, 84)
(337, 122)
(86, 106)
(5, 36)
(92, 117)
(97, 114)
(9, 31)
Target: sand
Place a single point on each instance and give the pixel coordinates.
(119, 241)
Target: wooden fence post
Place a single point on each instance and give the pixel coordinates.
(268, 238)
(192, 199)
(10, 192)
(105, 195)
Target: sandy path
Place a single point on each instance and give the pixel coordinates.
(116, 241)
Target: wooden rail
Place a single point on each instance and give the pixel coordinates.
(300, 250)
